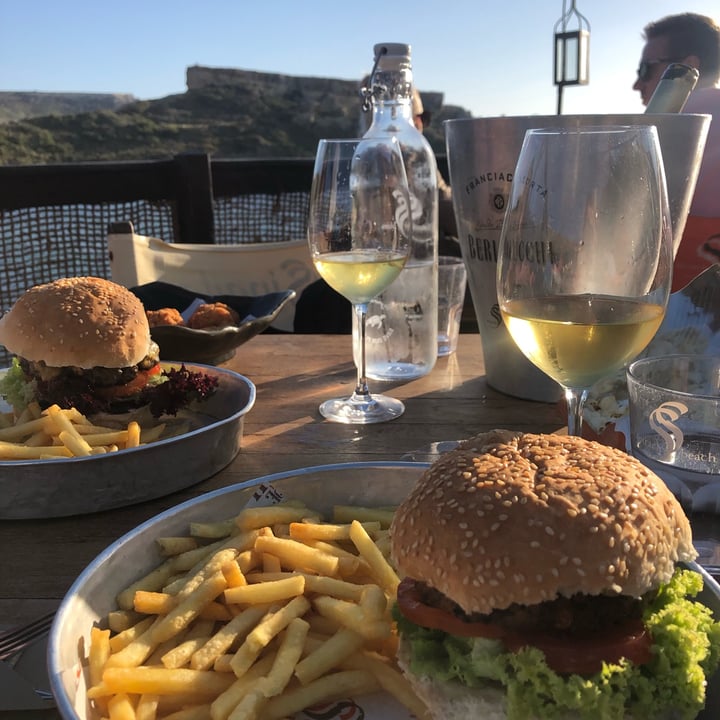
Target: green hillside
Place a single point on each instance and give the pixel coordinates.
(224, 121)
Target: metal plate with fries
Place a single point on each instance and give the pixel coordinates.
(40, 485)
(110, 581)
(139, 560)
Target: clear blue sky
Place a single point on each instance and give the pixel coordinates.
(491, 57)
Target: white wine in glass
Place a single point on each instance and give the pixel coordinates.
(358, 230)
(585, 259)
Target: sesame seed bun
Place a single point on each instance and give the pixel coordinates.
(83, 322)
(509, 517)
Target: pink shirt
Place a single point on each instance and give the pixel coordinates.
(706, 201)
(700, 246)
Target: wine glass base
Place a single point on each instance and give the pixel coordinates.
(351, 411)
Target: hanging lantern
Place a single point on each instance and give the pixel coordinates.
(571, 62)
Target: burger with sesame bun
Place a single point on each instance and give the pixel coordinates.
(541, 582)
(84, 342)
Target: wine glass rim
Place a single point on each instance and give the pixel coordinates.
(589, 129)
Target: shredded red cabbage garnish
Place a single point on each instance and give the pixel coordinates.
(179, 388)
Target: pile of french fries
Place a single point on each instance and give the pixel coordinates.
(256, 617)
(56, 433)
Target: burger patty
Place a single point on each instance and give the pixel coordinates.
(91, 390)
(577, 615)
(96, 376)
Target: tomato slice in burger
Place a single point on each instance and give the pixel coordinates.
(130, 388)
(584, 655)
(565, 654)
(412, 607)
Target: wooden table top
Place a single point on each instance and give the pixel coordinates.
(39, 559)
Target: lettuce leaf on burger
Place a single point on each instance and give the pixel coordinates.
(85, 342)
(540, 583)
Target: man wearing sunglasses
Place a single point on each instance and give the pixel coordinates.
(688, 38)
(693, 40)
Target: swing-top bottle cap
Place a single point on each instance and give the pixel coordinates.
(392, 54)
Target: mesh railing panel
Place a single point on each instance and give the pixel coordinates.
(260, 218)
(41, 244)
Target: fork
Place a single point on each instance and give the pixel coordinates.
(17, 639)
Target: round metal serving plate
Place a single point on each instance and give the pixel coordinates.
(94, 592)
(32, 489)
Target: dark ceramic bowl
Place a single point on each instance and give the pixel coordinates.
(211, 347)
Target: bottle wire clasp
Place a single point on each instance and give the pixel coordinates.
(367, 91)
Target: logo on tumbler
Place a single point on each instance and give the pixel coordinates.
(662, 421)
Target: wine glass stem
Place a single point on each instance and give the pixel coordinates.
(575, 400)
(361, 389)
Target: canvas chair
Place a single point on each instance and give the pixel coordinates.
(247, 269)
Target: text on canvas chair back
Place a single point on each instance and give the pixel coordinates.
(248, 269)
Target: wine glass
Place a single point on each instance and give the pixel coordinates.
(585, 256)
(359, 234)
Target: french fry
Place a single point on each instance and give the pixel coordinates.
(189, 608)
(380, 568)
(153, 603)
(351, 616)
(147, 707)
(69, 437)
(373, 601)
(269, 627)
(170, 546)
(98, 654)
(249, 707)
(22, 429)
(204, 657)
(193, 640)
(38, 439)
(266, 592)
(136, 651)
(114, 437)
(163, 681)
(216, 611)
(348, 513)
(297, 556)
(132, 438)
(286, 659)
(391, 680)
(271, 563)
(329, 655)
(151, 434)
(329, 687)
(274, 622)
(234, 575)
(194, 712)
(212, 530)
(119, 620)
(252, 518)
(120, 707)
(11, 451)
(119, 641)
(327, 531)
(227, 701)
(154, 580)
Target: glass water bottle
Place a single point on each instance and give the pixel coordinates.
(401, 330)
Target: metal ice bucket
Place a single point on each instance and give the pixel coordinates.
(482, 153)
